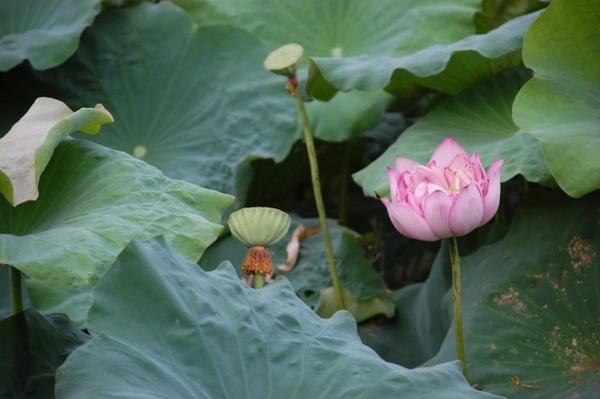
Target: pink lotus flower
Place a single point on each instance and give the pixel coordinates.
(451, 196)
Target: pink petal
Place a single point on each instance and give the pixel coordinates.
(467, 211)
(478, 170)
(405, 164)
(429, 175)
(436, 209)
(408, 222)
(446, 152)
(491, 199)
(495, 168)
(478, 174)
(394, 178)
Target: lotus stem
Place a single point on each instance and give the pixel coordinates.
(16, 294)
(259, 281)
(343, 190)
(314, 172)
(458, 322)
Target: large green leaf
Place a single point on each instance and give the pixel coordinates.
(27, 148)
(494, 13)
(194, 102)
(92, 202)
(480, 120)
(530, 302)
(415, 334)
(310, 277)
(561, 104)
(424, 312)
(343, 29)
(32, 347)
(45, 33)
(165, 328)
(449, 68)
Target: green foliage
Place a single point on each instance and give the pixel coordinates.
(206, 334)
(480, 119)
(73, 232)
(440, 67)
(422, 320)
(45, 33)
(494, 13)
(561, 104)
(197, 102)
(31, 348)
(338, 30)
(533, 302)
(310, 276)
(195, 111)
(346, 28)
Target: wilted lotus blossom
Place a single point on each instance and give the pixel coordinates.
(451, 196)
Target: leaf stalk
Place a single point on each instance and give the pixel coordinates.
(316, 183)
(456, 294)
(259, 281)
(16, 294)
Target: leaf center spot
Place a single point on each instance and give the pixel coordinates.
(139, 151)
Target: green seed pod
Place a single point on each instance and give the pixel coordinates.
(259, 225)
(285, 60)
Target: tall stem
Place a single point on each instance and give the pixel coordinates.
(314, 172)
(458, 322)
(16, 296)
(344, 177)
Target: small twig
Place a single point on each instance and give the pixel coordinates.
(517, 381)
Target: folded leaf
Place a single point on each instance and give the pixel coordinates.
(27, 148)
(449, 68)
(93, 201)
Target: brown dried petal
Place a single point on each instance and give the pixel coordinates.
(293, 249)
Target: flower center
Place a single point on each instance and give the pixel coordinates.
(258, 261)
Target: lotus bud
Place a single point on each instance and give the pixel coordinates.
(449, 197)
(285, 60)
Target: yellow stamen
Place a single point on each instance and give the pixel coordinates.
(258, 261)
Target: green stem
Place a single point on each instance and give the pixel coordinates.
(314, 172)
(16, 296)
(259, 281)
(458, 322)
(344, 177)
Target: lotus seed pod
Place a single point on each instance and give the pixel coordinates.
(259, 225)
(285, 60)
